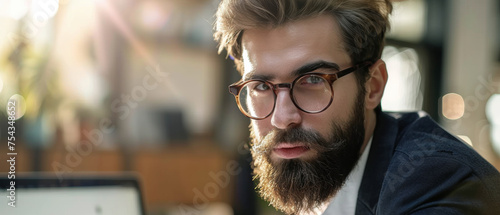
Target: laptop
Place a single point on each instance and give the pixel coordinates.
(80, 194)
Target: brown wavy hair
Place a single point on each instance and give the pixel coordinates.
(363, 23)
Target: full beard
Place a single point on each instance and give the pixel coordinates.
(301, 185)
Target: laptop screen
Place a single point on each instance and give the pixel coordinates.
(73, 195)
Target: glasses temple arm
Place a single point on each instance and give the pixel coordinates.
(352, 69)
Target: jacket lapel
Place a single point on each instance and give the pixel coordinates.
(383, 144)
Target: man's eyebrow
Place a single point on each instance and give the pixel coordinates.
(253, 76)
(309, 67)
(314, 66)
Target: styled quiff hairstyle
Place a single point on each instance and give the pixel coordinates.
(363, 23)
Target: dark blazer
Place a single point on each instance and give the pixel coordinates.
(416, 167)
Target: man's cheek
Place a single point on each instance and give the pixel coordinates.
(260, 129)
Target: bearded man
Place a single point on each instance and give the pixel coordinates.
(312, 82)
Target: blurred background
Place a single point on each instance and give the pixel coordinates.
(122, 85)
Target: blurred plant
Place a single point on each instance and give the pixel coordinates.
(26, 71)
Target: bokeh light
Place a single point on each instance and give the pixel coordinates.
(453, 106)
(466, 139)
(19, 103)
(493, 109)
(493, 115)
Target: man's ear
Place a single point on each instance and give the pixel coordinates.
(376, 84)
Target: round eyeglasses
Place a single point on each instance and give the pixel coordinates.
(310, 92)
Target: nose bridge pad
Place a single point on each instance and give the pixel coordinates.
(282, 85)
(277, 93)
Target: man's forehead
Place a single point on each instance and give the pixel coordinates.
(265, 51)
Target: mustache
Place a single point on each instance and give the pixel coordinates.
(312, 139)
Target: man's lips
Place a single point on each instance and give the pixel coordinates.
(290, 151)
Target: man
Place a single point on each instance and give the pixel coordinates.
(312, 81)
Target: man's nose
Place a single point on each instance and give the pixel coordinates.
(285, 114)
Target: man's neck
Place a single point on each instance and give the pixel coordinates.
(370, 122)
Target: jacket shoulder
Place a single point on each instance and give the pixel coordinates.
(432, 169)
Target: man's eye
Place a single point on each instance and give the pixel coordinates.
(261, 87)
(312, 79)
